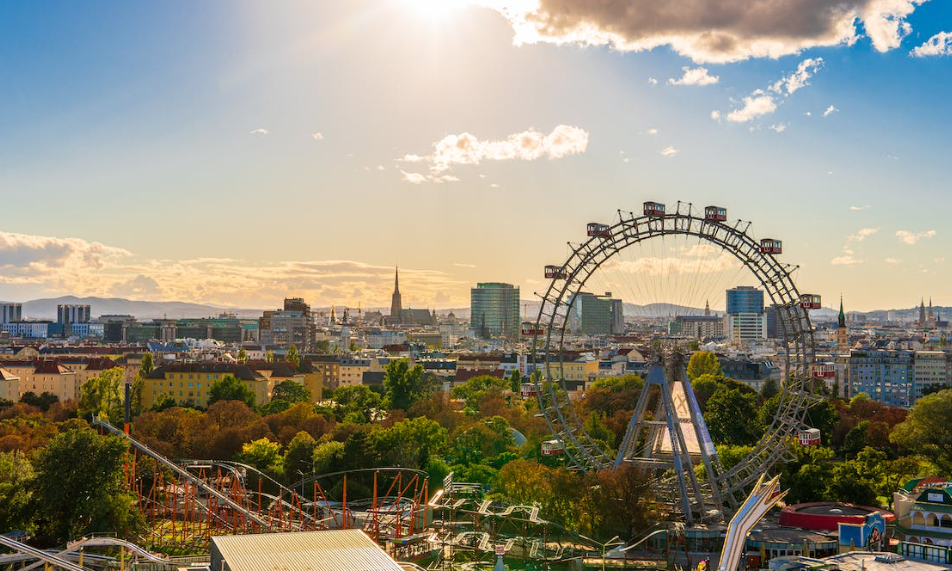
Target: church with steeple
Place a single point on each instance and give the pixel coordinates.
(842, 333)
(399, 315)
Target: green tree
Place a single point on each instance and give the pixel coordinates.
(269, 356)
(264, 455)
(928, 429)
(410, 443)
(299, 458)
(731, 417)
(42, 402)
(242, 355)
(476, 388)
(860, 480)
(80, 488)
(291, 392)
(104, 395)
(404, 385)
(293, 357)
(230, 388)
(16, 484)
(515, 381)
(357, 402)
(147, 365)
(322, 346)
(704, 363)
(163, 402)
(769, 389)
(808, 478)
(328, 457)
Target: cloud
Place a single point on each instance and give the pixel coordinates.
(912, 238)
(893, 261)
(413, 177)
(652, 81)
(46, 265)
(779, 128)
(462, 265)
(652, 131)
(829, 111)
(862, 234)
(317, 136)
(754, 106)
(938, 45)
(710, 31)
(467, 149)
(845, 260)
(668, 152)
(259, 132)
(689, 260)
(798, 79)
(863, 207)
(696, 76)
(716, 115)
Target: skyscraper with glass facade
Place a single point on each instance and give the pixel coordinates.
(494, 310)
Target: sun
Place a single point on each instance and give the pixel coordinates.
(435, 10)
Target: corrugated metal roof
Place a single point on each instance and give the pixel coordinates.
(330, 550)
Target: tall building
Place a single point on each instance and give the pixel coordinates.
(595, 314)
(11, 312)
(885, 376)
(396, 302)
(745, 314)
(494, 310)
(69, 313)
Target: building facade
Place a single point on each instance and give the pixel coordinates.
(72, 313)
(494, 310)
(11, 312)
(745, 319)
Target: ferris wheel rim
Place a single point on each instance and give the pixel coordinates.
(774, 277)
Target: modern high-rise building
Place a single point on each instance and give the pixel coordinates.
(596, 314)
(884, 376)
(745, 318)
(70, 313)
(11, 312)
(494, 310)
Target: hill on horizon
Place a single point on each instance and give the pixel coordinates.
(46, 308)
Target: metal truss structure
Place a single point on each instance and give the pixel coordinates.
(186, 502)
(719, 493)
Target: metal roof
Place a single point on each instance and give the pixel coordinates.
(329, 550)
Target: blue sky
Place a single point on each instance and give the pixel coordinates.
(237, 152)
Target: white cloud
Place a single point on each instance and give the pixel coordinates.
(829, 111)
(462, 265)
(798, 79)
(862, 234)
(893, 261)
(652, 81)
(863, 207)
(652, 131)
(912, 238)
(716, 115)
(709, 31)
(317, 136)
(467, 149)
(381, 168)
(259, 132)
(845, 260)
(779, 127)
(668, 152)
(413, 177)
(938, 45)
(696, 76)
(754, 106)
(27, 257)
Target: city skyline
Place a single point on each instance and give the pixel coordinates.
(248, 154)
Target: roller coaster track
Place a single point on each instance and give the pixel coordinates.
(184, 474)
(38, 554)
(73, 548)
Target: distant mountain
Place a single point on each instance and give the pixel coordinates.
(46, 308)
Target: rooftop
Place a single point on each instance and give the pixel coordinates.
(329, 550)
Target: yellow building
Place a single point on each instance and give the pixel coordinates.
(9, 385)
(327, 371)
(190, 383)
(577, 372)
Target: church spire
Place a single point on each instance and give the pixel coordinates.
(707, 308)
(396, 301)
(396, 280)
(841, 320)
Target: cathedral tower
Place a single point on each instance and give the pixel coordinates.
(842, 336)
(396, 302)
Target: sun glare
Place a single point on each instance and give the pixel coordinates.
(435, 10)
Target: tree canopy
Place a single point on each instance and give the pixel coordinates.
(230, 388)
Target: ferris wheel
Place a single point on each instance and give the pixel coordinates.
(666, 447)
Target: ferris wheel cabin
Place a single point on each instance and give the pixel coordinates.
(599, 230)
(715, 213)
(810, 437)
(824, 370)
(529, 390)
(771, 246)
(810, 301)
(554, 273)
(553, 448)
(654, 209)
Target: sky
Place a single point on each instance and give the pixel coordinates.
(236, 153)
